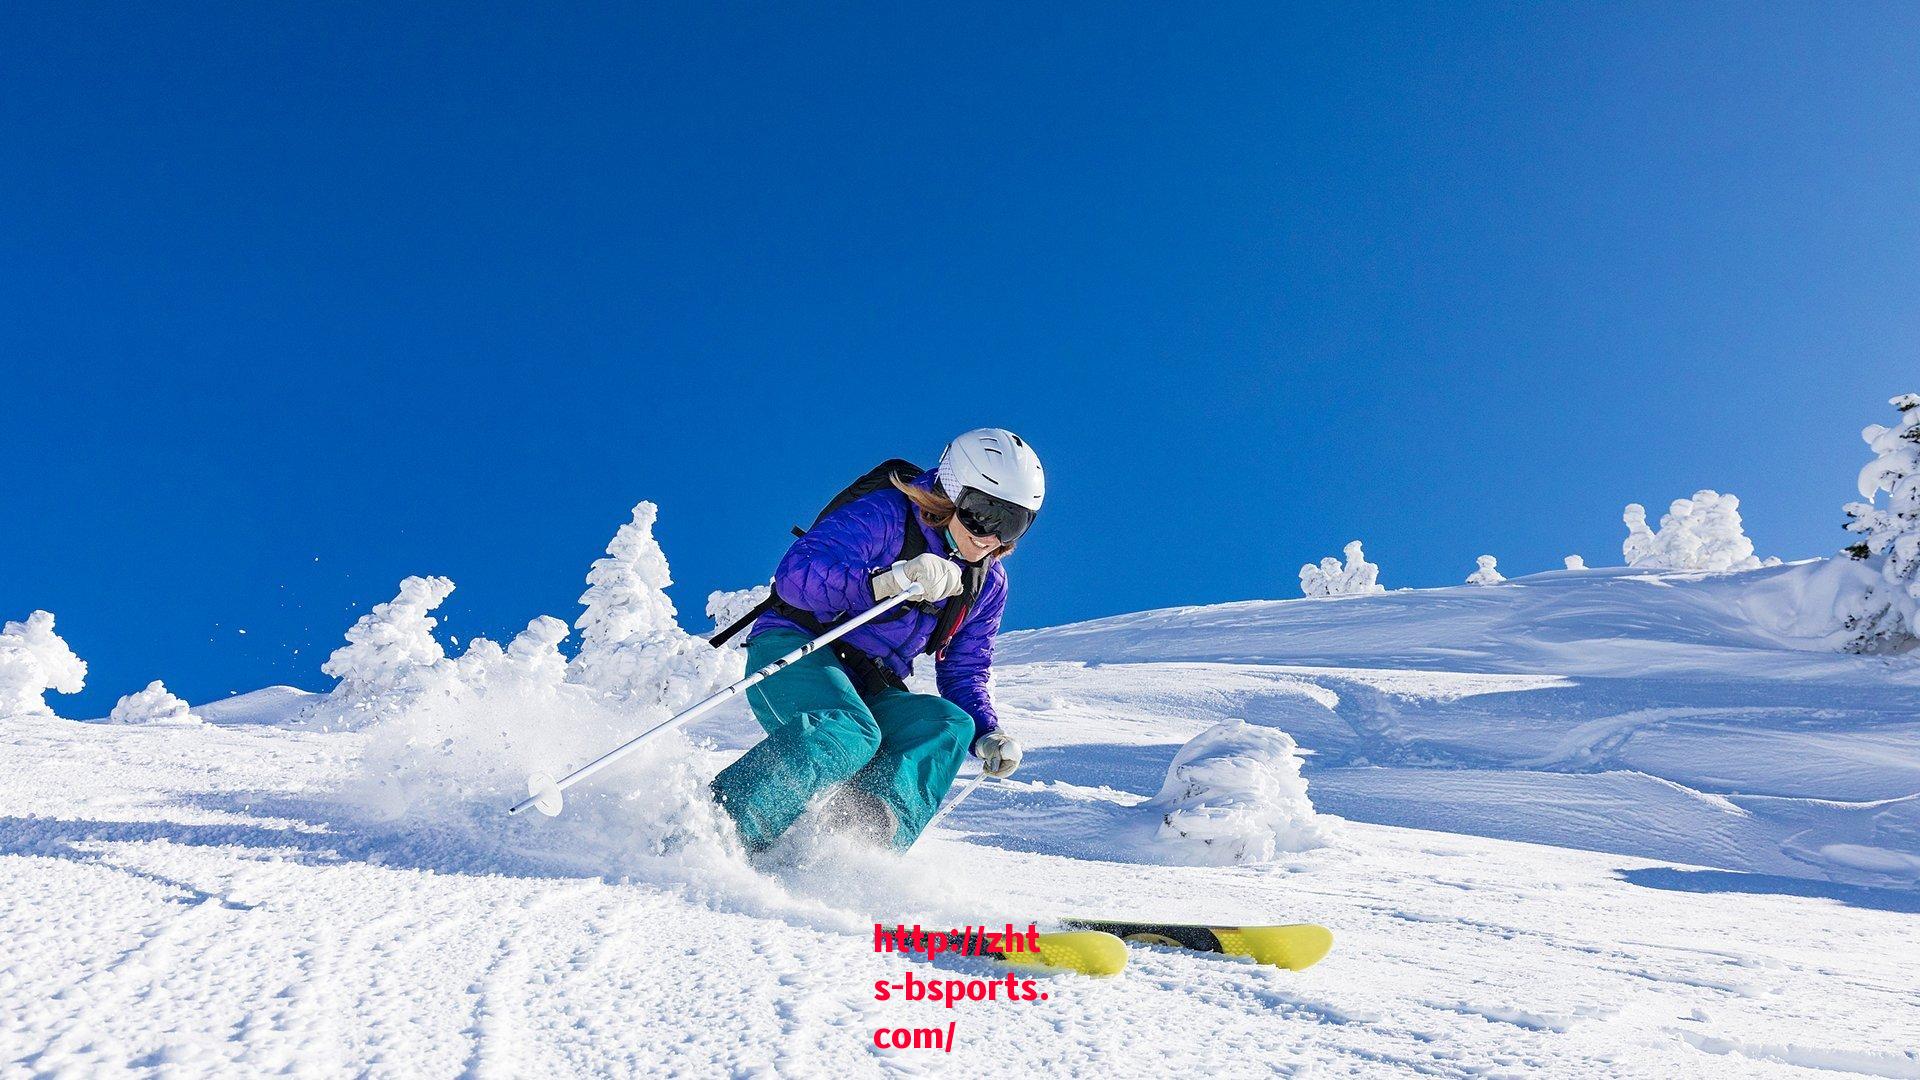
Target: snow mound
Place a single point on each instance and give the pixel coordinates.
(1701, 533)
(1234, 794)
(1803, 605)
(1486, 574)
(1357, 577)
(1575, 562)
(33, 660)
(276, 705)
(154, 705)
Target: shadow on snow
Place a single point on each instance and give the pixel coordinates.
(1730, 881)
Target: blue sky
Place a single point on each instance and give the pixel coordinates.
(298, 300)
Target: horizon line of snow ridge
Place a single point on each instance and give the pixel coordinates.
(633, 647)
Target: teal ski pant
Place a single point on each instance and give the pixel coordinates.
(901, 748)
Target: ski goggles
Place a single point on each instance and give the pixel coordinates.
(986, 515)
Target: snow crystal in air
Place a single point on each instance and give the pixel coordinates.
(33, 660)
(1234, 794)
(1357, 577)
(1486, 574)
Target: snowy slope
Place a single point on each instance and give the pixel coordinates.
(1595, 825)
(1656, 715)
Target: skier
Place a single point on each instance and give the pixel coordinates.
(844, 717)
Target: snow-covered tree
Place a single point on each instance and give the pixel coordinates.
(1887, 616)
(33, 660)
(725, 607)
(627, 590)
(532, 658)
(1722, 539)
(1357, 577)
(1486, 574)
(630, 642)
(634, 655)
(1640, 544)
(1701, 533)
(389, 646)
(535, 651)
(1575, 562)
(154, 705)
(392, 659)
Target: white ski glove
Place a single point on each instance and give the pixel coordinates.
(938, 578)
(999, 754)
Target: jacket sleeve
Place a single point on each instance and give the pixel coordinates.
(962, 676)
(830, 570)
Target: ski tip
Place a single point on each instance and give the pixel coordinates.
(1088, 952)
(544, 794)
(1292, 947)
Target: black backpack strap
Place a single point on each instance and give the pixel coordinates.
(878, 478)
(914, 543)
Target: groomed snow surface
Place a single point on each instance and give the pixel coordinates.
(1586, 823)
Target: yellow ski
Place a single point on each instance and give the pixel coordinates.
(1293, 947)
(1089, 952)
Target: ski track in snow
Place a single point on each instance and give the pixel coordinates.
(1576, 855)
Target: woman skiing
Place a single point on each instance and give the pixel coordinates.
(844, 717)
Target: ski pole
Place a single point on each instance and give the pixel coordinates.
(956, 801)
(543, 791)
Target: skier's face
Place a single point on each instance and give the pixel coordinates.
(969, 547)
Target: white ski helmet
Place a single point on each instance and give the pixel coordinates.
(997, 464)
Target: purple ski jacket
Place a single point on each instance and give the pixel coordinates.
(829, 572)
